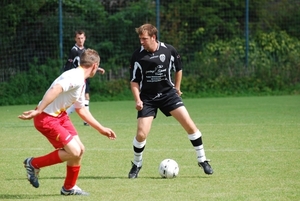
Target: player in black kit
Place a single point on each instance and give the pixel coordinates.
(74, 61)
(152, 88)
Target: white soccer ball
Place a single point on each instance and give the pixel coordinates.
(168, 168)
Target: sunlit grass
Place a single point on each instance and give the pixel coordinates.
(253, 144)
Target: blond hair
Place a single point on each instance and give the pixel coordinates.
(89, 57)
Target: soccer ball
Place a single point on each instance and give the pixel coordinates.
(168, 168)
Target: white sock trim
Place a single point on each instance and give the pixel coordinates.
(194, 136)
(138, 144)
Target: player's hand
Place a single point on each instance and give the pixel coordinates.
(179, 93)
(139, 105)
(27, 115)
(101, 70)
(109, 133)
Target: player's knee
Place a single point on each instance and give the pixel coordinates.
(77, 154)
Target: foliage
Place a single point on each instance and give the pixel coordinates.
(29, 87)
(209, 35)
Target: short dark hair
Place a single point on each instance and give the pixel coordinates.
(149, 28)
(79, 32)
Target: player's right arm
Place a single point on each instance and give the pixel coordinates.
(70, 62)
(135, 79)
(48, 98)
(135, 89)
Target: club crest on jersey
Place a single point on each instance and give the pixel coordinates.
(162, 57)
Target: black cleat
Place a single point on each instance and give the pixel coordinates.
(133, 173)
(206, 167)
(85, 124)
(32, 173)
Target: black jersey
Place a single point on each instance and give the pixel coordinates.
(74, 58)
(153, 70)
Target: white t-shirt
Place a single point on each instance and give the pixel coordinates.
(73, 84)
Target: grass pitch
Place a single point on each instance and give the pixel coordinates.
(253, 144)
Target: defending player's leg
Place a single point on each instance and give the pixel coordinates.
(69, 187)
(138, 148)
(75, 190)
(33, 165)
(32, 172)
(139, 142)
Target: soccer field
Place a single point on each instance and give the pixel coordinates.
(253, 144)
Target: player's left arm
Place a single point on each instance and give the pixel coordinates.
(178, 70)
(101, 70)
(178, 78)
(89, 118)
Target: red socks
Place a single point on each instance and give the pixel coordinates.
(52, 159)
(71, 177)
(47, 160)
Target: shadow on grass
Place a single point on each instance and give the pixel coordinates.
(24, 196)
(118, 177)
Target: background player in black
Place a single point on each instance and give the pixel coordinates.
(153, 89)
(74, 61)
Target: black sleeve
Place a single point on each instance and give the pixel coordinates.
(135, 69)
(177, 61)
(71, 62)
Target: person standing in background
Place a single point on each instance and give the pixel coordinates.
(74, 61)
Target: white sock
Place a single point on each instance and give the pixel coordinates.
(138, 156)
(196, 140)
(86, 104)
(71, 109)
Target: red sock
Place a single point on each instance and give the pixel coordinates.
(71, 177)
(47, 160)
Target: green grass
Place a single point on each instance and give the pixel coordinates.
(253, 144)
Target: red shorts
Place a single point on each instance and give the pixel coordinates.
(58, 130)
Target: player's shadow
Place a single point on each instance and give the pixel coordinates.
(24, 196)
(120, 177)
(89, 177)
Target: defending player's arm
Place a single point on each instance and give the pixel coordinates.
(48, 98)
(88, 117)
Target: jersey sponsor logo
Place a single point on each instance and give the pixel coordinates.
(162, 57)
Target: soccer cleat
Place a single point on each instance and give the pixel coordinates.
(32, 173)
(85, 124)
(206, 167)
(73, 191)
(133, 173)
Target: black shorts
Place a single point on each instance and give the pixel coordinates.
(166, 102)
(87, 85)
